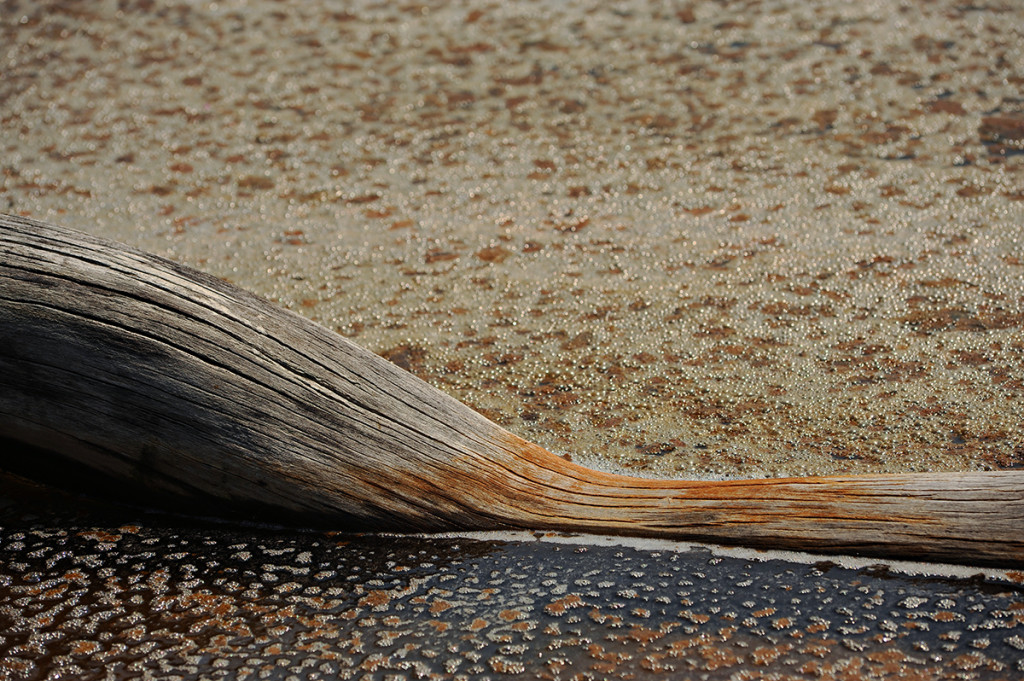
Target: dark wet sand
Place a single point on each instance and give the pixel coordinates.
(96, 591)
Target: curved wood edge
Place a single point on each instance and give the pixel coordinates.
(174, 381)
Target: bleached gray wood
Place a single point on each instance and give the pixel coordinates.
(173, 381)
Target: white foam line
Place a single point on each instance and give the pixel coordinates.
(905, 567)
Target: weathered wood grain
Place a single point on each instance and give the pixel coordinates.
(173, 381)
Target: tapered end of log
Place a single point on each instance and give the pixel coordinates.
(171, 381)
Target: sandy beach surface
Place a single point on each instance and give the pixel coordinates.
(692, 240)
(762, 239)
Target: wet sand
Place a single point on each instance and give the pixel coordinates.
(95, 591)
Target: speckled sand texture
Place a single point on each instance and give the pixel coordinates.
(683, 239)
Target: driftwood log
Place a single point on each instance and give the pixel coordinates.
(172, 381)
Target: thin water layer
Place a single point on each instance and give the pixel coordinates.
(772, 238)
(92, 591)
